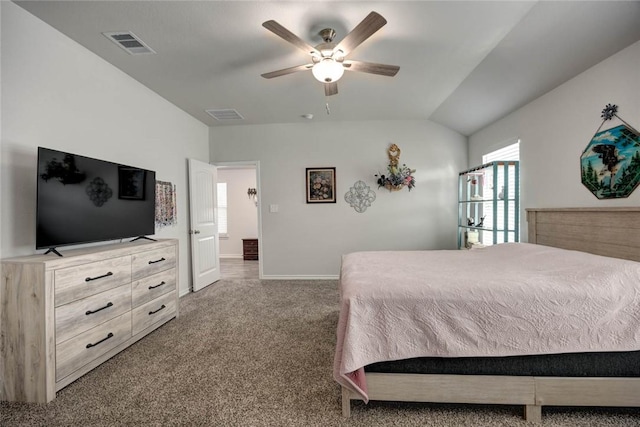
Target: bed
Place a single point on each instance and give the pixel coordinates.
(520, 340)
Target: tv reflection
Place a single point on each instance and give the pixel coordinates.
(99, 191)
(131, 183)
(64, 171)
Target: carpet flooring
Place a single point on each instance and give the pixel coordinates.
(254, 353)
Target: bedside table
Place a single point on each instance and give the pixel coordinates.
(250, 249)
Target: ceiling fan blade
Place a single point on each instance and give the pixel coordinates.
(286, 71)
(282, 32)
(330, 89)
(371, 67)
(365, 29)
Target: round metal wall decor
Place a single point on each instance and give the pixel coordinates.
(360, 196)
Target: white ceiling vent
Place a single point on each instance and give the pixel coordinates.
(228, 114)
(129, 42)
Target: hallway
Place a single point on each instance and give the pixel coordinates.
(235, 268)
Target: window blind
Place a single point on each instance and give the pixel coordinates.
(222, 208)
(510, 152)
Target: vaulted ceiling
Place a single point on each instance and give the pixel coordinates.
(463, 64)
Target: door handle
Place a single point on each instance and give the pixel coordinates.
(196, 231)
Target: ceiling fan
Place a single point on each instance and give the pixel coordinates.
(328, 59)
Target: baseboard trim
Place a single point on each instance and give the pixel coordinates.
(231, 256)
(273, 277)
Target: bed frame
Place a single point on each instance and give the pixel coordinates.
(613, 232)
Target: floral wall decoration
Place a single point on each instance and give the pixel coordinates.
(166, 207)
(610, 164)
(398, 176)
(360, 196)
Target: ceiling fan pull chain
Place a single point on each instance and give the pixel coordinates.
(327, 107)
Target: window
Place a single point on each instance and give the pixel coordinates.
(222, 209)
(510, 152)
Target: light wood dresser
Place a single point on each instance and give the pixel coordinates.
(60, 317)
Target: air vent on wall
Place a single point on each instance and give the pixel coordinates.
(129, 42)
(228, 114)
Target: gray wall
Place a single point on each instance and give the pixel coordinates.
(57, 94)
(555, 129)
(307, 240)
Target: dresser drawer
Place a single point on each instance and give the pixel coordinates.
(149, 288)
(151, 262)
(74, 283)
(250, 249)
(159, 310)
(73, 354)
(82, 315)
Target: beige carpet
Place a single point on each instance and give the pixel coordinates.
(252, 353)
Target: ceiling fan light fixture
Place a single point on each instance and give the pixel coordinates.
(328, 58)
(327, 70)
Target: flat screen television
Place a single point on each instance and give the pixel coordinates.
(83, 200)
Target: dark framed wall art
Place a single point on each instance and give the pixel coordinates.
(321, 185)
(611, 163)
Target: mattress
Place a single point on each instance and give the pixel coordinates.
(597, 364)
(512, 299)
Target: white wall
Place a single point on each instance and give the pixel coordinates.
(307, 240)
(242, 213)
(555, 129)
(57, 94)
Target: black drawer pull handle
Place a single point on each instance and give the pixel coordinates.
(158, 260)
(154, 312)
(110, 304)
(102, 340)
(88, 279)
(158, 285)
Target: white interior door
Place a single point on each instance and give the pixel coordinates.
(205, 258)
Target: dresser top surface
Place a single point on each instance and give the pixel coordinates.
(93, 253)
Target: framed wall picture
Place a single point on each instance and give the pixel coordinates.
(611, 163)
(321, 185)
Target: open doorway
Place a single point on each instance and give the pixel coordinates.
(239, 220)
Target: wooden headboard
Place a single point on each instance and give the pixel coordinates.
(613, 232)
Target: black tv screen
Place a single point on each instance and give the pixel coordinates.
(83, 200)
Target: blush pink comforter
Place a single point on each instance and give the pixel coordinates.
(503, 300)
